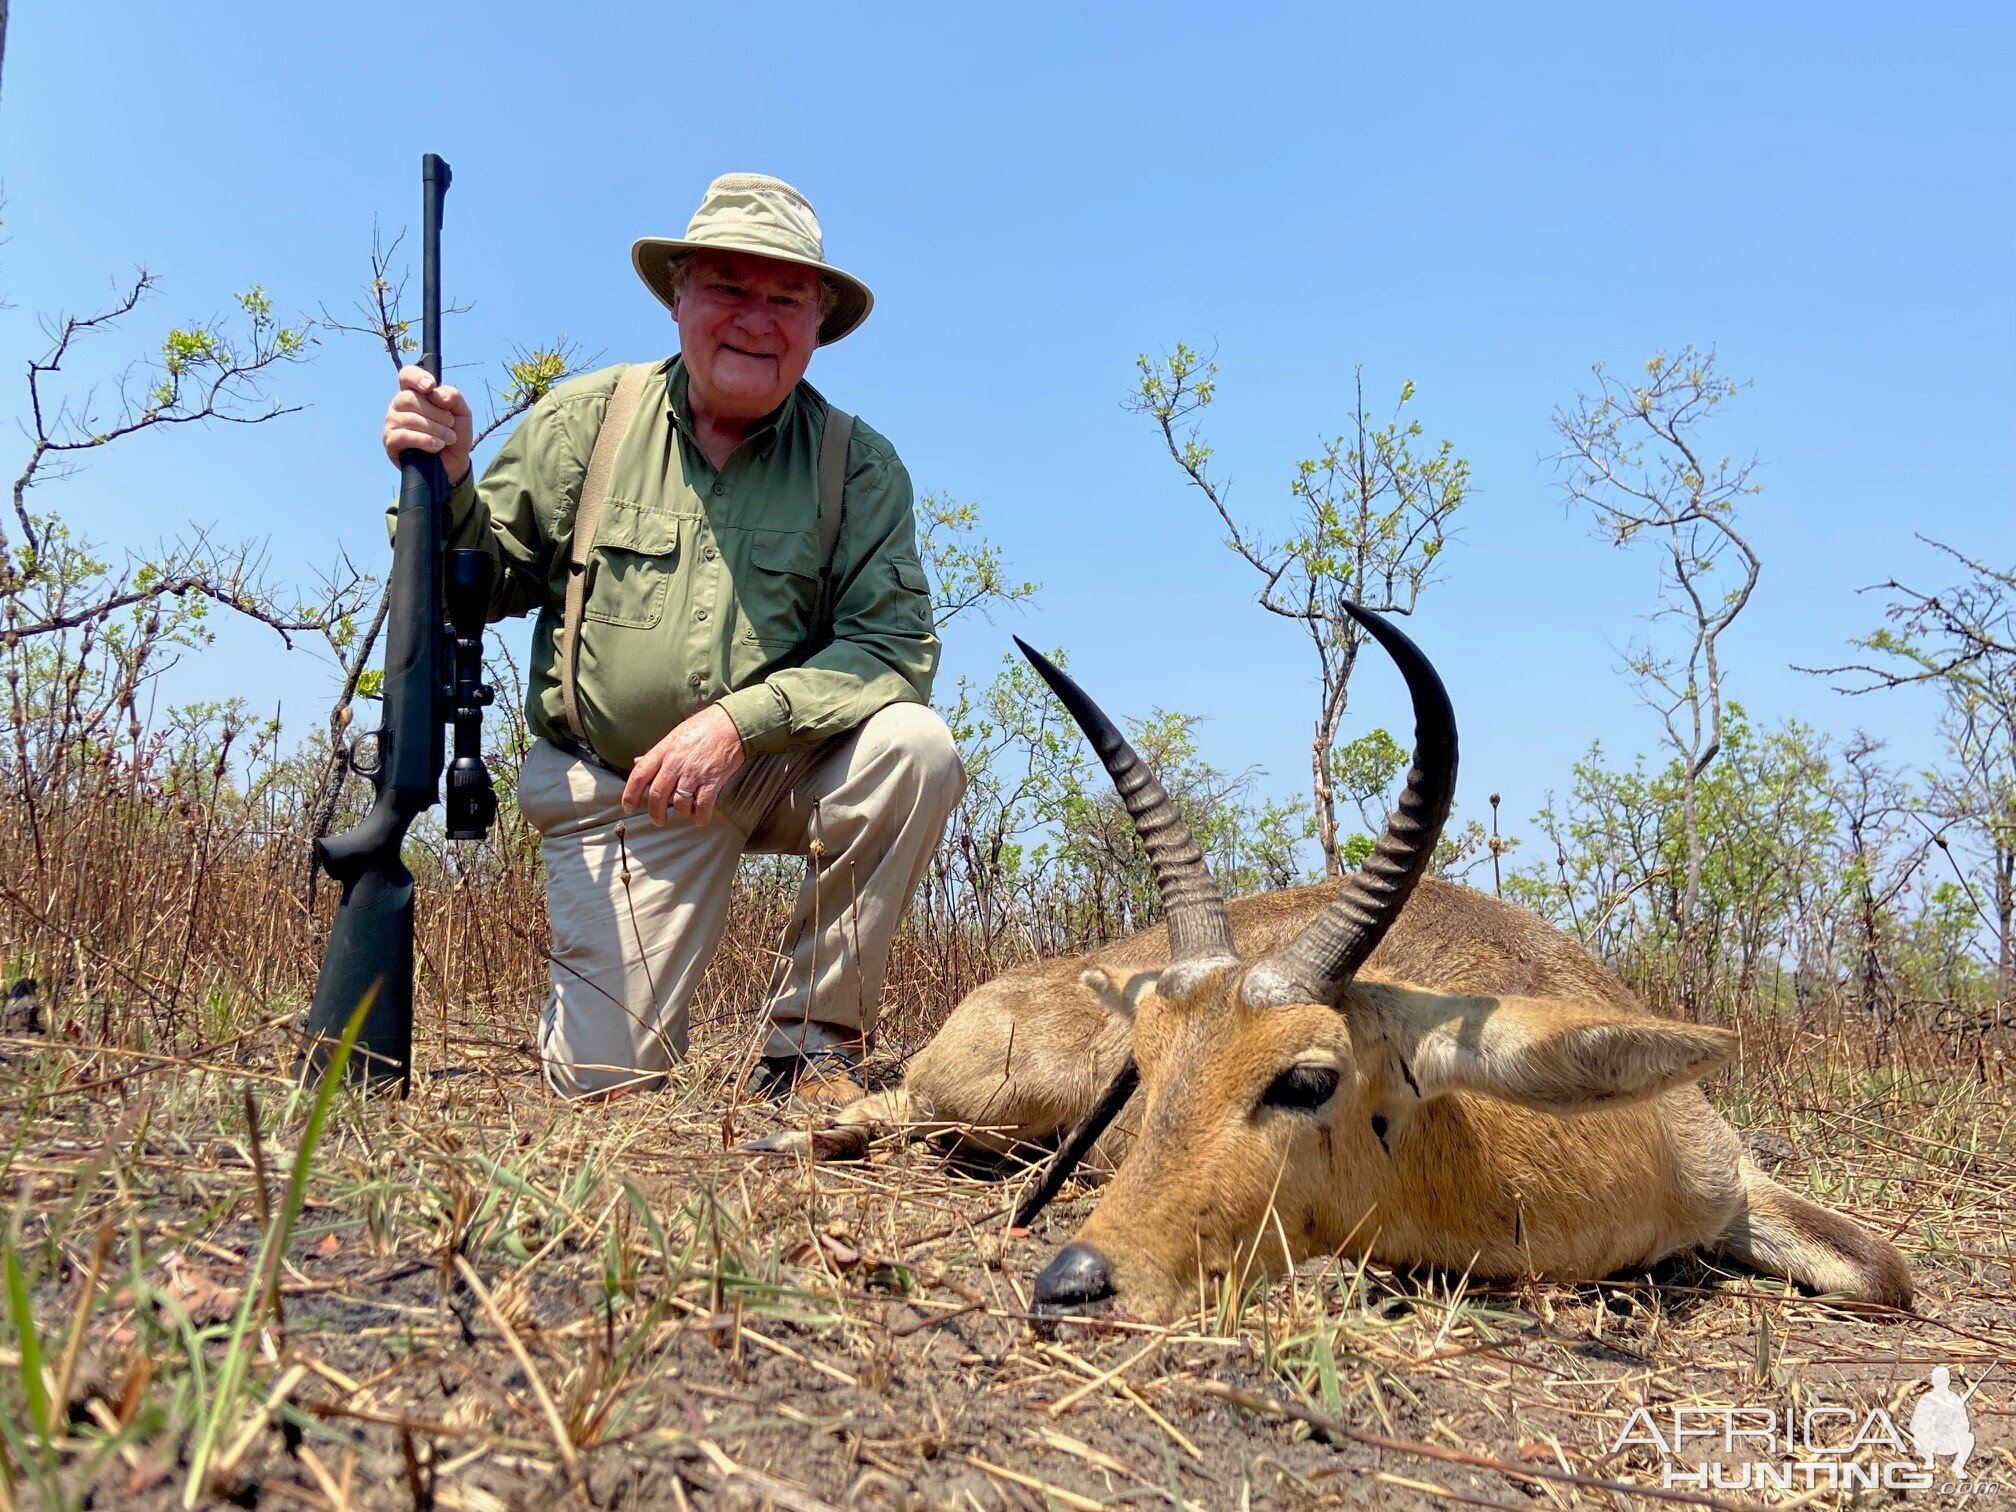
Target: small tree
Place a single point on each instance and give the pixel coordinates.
(84, 630)
(1632, 457)
(1372, 518)
(1610, 840)
(1011, 738)
(967, 572)
(1962, 641)
(1620, 841)
(106, 795)
(1882, 855)
(1014, 742)
(1769, 823)
(1101, 856)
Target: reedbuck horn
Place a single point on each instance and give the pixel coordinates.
(1326, 955)
(1199, 927)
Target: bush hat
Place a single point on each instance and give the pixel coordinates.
(763, 216)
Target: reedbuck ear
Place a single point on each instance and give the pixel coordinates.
(1548, 1055)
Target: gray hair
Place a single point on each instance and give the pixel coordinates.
(680, 267)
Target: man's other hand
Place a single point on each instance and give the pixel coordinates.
(685, 770)
(430, 416)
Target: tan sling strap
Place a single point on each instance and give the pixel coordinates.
(595, 488)
(587, 516)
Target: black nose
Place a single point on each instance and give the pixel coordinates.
(1078, 1276)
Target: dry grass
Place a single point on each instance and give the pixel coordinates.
(493, 1300)
(478, 1297)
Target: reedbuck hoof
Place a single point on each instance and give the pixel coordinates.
(813, 1144)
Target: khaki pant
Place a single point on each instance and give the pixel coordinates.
(638, 910)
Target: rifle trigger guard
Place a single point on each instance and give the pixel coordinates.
(366, 753)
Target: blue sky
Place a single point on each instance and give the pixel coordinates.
(1483, 199)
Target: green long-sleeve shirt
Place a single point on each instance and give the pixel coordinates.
(703, 585)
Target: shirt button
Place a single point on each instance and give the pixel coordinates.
(699, 614)
(697, 680)
(709, 554)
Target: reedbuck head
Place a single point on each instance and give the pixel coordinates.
(1274, 1094)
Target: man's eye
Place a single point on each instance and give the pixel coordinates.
(1301, 1089)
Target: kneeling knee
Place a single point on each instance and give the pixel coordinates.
(922, 746)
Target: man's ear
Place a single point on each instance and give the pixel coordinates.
(1559, 1057)
(1123, 998)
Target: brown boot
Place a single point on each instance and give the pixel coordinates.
(829, 1076)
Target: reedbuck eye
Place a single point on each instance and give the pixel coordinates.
(1301, 1089)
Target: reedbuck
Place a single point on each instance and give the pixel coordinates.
(1385, 1066)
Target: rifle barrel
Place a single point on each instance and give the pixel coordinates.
(370, 950)
(435, 176)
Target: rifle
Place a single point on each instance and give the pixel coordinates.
(433, 678)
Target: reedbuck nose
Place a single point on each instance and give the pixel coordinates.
(1077, 1277)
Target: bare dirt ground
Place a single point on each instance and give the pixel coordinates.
(492, 1300)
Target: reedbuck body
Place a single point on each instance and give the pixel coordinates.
(1384, 1066)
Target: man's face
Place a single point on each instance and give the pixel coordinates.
(747, 329)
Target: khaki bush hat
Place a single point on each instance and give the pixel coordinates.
(758, 214)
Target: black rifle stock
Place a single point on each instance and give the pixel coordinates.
(433, 676)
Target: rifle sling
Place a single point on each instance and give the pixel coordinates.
(839, 429)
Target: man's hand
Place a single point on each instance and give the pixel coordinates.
(428, 415)
(685, 770)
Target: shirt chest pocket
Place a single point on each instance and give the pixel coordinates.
(630, 569)
(779, 593)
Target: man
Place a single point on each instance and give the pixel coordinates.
(716, 666)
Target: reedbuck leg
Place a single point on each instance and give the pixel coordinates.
(1779, 1233)
(1014, 1066)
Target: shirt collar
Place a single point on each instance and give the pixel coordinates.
(762, 433)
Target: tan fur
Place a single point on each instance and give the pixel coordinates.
(1505, 1107)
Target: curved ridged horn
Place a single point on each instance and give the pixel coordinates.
(1326, 955)
(1199, 927)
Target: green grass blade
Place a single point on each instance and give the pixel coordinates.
(231, 1372)
(29, 1343)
